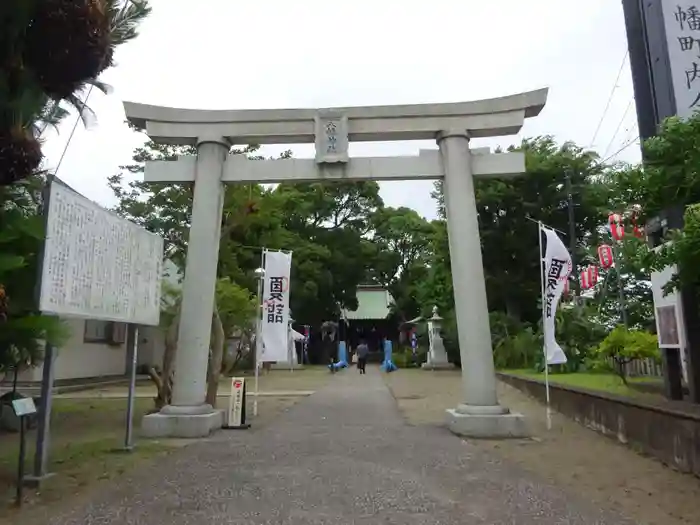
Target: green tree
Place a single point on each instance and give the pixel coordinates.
(50, 51)
(509, 239)
(508, 207)
(670, 178)
(324, 224)
(22, 328)
(638, 302)
(623, 346)
(402, 243)
(329, 223)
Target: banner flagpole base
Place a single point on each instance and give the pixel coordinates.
(245, 426)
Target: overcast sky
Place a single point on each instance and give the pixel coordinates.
(221, 54)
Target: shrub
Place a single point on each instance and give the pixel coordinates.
(624, 346)
(578, 333)
(520, 350)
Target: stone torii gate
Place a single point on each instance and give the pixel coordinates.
(452, 125)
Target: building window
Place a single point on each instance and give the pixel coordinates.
(97, 331)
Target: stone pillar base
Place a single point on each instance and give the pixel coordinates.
(487, 426)
(181, 425)
(437, 366)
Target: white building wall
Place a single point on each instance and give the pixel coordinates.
(151, 346)
(83, 357)
(78, 358)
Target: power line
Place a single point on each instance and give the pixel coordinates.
(75, 125)
(619, 125)
(612, 92)
(623, 148)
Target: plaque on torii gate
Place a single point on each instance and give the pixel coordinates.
(452, 125)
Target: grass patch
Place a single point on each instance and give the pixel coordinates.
(601, 382)
(87, 435)
(84, 436)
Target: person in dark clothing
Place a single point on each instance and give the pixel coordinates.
(362, 351)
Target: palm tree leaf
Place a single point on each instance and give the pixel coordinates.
(125, 17)
(87, 115)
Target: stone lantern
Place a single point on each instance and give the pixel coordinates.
(437, 356)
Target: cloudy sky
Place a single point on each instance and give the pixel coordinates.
(221, 54)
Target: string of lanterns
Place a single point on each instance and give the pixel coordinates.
(606, 255)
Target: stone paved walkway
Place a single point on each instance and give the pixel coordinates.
(342, 456)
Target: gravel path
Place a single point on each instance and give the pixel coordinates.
(342, 456)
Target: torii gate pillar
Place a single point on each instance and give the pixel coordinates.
(452, 125)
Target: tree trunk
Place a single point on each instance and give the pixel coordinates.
(621, 366)
(164, 379)
(216, 356)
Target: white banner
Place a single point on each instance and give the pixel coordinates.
(275, 311)
(557, 268)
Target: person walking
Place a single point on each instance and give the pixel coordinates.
(362, 351)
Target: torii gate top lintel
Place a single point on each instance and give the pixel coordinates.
(482, 118)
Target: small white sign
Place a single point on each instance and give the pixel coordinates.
(236, 402)
(24, 406)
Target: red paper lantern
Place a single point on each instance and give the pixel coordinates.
(593, 275)
(617, 227)
(605, 256)
(584, 280)
(636, 230)
(589, 277)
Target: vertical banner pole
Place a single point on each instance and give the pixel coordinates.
(618, 256)
(132, 353)
(258, 334)
(19, 497)
(41, 455)
(290, 346)
(544, 347)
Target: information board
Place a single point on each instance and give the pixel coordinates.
(97, 265)
(23, 406)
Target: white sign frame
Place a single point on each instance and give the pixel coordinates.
(97, 265)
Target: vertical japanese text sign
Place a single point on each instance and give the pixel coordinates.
(275, 315)
(682, 25)
(558, 266)
(332, 142)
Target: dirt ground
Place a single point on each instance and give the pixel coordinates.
(86, 434)
(569, 455)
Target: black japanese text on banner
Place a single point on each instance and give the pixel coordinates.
(557, 268)
(275, 311)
